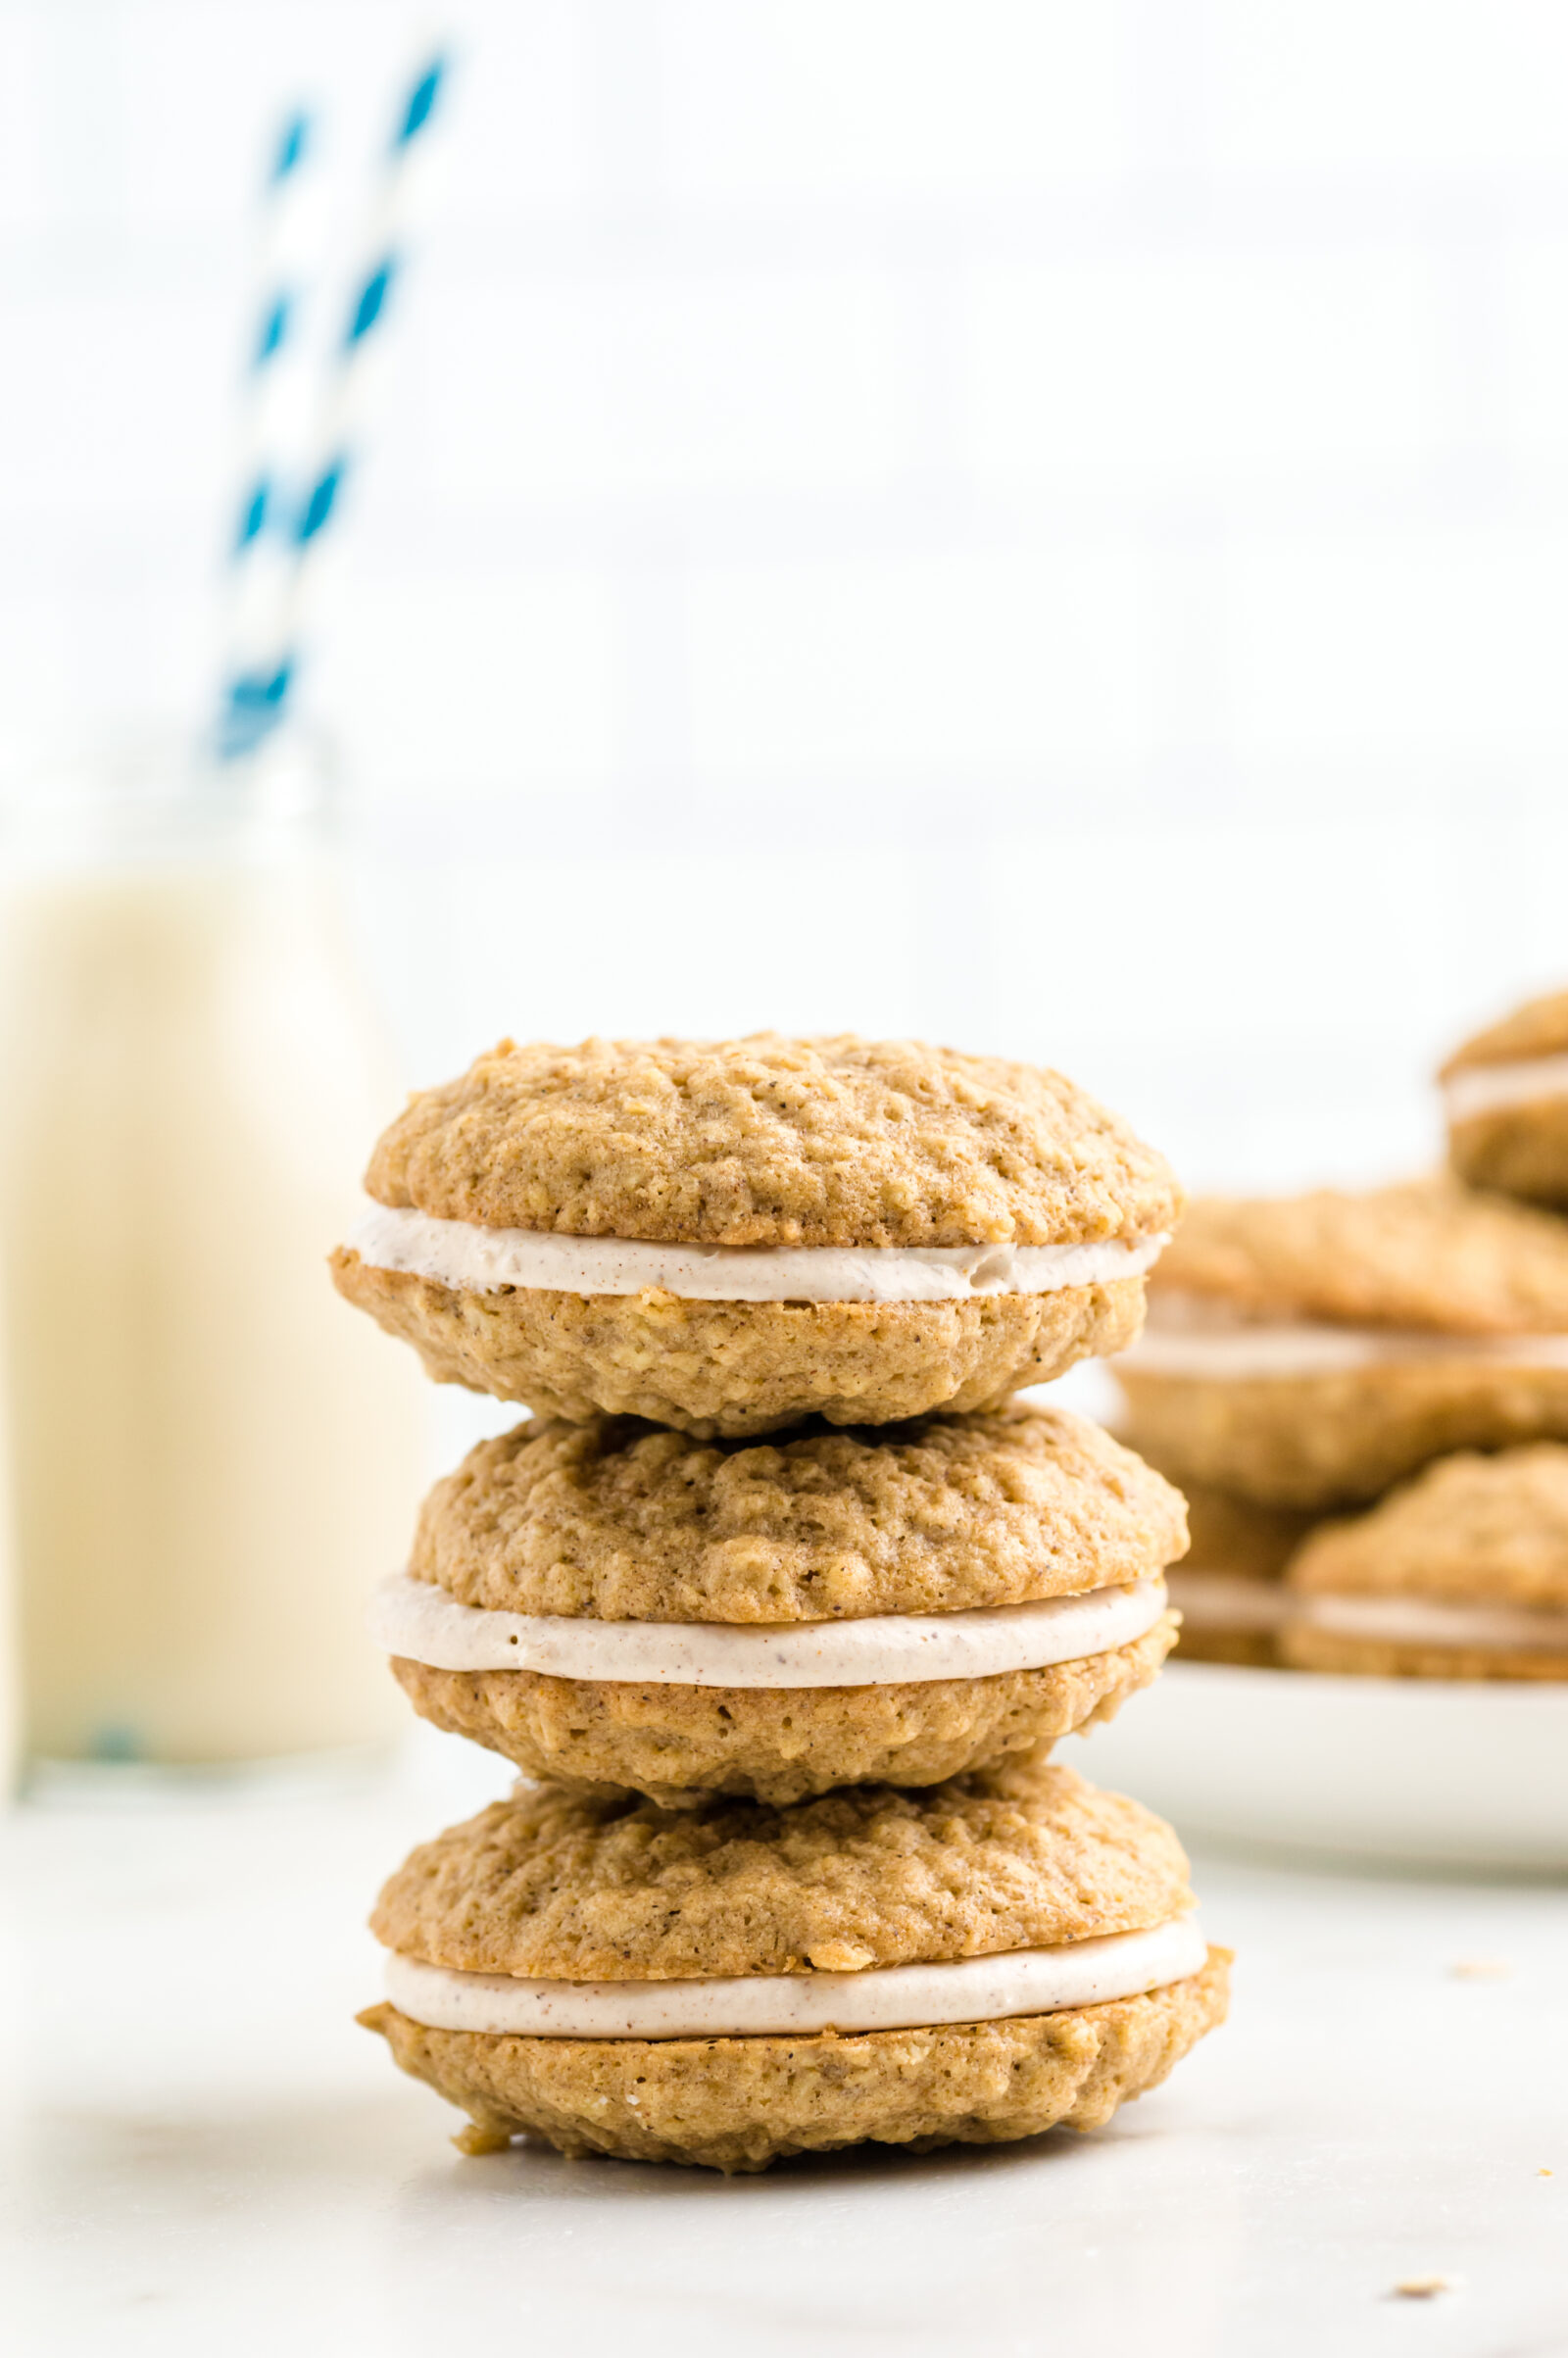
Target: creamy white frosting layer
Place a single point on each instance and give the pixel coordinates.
(1227, 1600)
(1435, 1621)
(482, 1260)
(1485, 1088)
(1186, 1336)
(893, 1997)
(421, 1622)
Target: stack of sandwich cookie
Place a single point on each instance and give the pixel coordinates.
(1505, 1094)
(973, 1963)
(784, 1690)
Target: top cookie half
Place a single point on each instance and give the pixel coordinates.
(729, 1236)
(1426, 1256)
(771, 1141)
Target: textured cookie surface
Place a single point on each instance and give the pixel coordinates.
(772, 1141)
(1539, 1028)
(1467, 1528)
(1321, 1441)
(740, 2103)
(1429, 1255)
(560, 1885)
(742, 1367)
(782, 1744)
(625, 1521)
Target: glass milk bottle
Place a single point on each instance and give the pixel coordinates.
(210, 1461)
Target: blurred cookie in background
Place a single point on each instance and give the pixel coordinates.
(1460, 1574)
(1505, 1095)
(1310, 1351)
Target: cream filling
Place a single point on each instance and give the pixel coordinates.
(891, 1997)
(1434, 1621)
(1231, 1600)
(1485, 1088)
(1187, 1336)
(482, 1260)
(421, 1623)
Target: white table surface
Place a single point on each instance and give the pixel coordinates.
(203, 2154)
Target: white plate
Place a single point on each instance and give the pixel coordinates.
(1460, 1773)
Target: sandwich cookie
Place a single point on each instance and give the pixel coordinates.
(728, 1236)
(723, 1986)
(1505, 1095)
(614, 1603)
(1311, 1351)
(1228, 1588)
(1462, 1574)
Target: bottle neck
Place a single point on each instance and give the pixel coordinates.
(155, 801)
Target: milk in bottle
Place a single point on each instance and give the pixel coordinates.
(209, 1463)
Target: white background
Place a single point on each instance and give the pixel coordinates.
(1041, 524)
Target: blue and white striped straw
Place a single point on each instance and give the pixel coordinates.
(259, 691)
(276, 318)
(273, 357)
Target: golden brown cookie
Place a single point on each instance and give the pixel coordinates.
(728, 1236)
(736, 1369)
(772, 1141)
(1429, 1256)
(1318, 1443)
(1309, 1353)
(625, 1521)
(579, 1887)
(551, 1572)
(779, 1745)
(1462, 1573)
(737, 2104)
(1027, 1878)
(1505, 1093)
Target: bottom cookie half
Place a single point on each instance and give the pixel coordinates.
(778, 1744)
(742, 1367)
(737, 2105)
(1303, 1648)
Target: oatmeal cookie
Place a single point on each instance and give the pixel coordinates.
(1309, 1353)
(626, 1521)
(571, 1885)
(772, 1141)
(577, 1592)
(732, 1368)
(727, 1237)
(1025, 1872)
(779, 1745)
(1505, 1093)
(1462, 1573)
(737, 2104)
(1326, 1442)
(1426, 1256)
